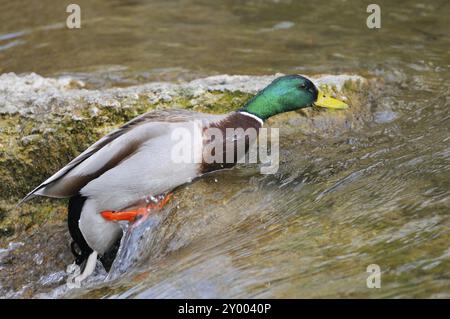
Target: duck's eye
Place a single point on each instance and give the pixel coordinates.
(303, 86)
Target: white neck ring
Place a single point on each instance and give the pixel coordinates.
(253, 117)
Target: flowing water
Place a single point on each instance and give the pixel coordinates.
(379, 194)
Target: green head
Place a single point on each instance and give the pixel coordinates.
(288, 93)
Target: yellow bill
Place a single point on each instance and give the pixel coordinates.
(327, 101)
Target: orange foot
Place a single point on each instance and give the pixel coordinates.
(140, 213)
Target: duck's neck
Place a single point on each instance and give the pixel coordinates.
(241, 119)
(264, 104)
(250, 115)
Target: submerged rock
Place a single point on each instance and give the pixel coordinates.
(44, 123)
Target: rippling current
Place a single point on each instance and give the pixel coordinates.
(375, 194)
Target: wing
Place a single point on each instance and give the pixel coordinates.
(110, 150)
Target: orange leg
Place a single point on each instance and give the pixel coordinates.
(139, 213)
(128, 215)
(161, 203)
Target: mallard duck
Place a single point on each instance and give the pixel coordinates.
(114, 178)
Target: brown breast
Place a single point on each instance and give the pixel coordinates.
(238, 133)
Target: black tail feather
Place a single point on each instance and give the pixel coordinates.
(79, 246)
